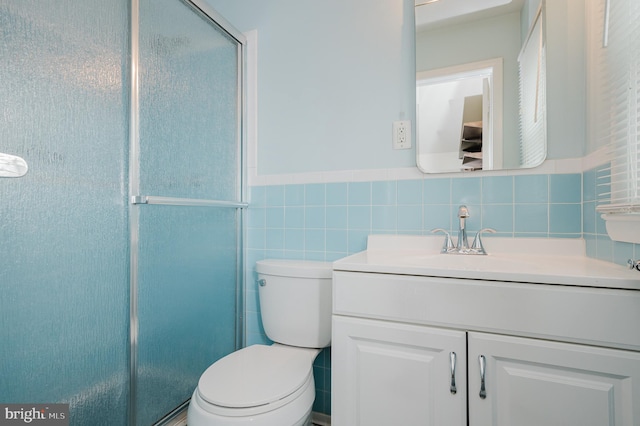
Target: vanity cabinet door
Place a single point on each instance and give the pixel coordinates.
(532, 382)
(386, 373)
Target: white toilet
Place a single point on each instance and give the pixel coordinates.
(272, 385)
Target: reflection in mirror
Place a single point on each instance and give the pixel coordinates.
(12, 166)
(533, 105)
(473, 53)
(459, 113)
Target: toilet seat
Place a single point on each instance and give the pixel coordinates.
(256, 379)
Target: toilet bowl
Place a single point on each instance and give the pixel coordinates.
(272, 385)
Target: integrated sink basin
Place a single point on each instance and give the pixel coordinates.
(540, 260)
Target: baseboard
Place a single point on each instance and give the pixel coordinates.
(321, 419)
(178, 417)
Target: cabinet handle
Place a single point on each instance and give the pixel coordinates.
(452, 359)
(483, 363)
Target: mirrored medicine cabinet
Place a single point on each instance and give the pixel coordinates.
(480, 85)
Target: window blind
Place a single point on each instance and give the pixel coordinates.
(617, 108)
(532, 78)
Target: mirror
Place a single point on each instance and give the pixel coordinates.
(480, 85)
(12, 166)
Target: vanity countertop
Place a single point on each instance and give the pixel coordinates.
(531, 260)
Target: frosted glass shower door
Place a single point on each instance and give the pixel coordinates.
(64, 248)
(186, 191)
(186, 302)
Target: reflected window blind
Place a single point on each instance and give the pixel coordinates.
(617, 109)
(532, 79)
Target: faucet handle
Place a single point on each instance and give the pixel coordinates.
(477, 246)
(448, 244)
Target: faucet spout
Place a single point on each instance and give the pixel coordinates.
(463, 241)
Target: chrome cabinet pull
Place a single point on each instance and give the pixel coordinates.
(483, 390)
(452, 359)
(262, 282)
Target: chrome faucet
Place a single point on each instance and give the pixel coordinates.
(462, 247)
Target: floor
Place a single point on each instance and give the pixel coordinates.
(317, 420)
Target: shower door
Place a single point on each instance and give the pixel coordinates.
(186, 200)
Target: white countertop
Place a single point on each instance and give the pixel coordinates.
(530, 260)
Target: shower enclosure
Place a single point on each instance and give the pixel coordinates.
(121, 247)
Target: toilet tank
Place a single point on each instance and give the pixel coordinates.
(295, 301)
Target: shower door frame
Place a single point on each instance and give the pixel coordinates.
(136, 198)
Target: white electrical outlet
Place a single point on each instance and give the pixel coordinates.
(402, 134)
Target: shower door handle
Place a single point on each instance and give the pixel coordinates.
(189, 202)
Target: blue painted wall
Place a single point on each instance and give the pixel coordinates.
(332, 77)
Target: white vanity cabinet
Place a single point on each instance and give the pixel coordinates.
(552, 354)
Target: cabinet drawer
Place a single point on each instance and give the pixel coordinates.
(596, 316)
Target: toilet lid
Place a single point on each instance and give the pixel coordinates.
(255, 375)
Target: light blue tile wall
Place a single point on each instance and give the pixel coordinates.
(326, 222)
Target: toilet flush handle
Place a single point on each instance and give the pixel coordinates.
(262, 282)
